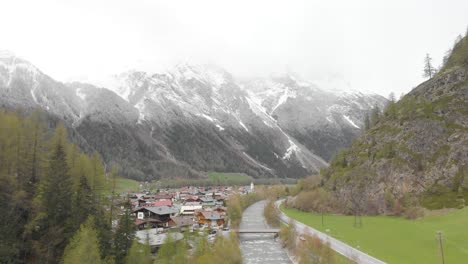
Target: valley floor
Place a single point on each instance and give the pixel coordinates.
(398, 240)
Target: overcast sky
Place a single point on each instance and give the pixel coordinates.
(372, 45)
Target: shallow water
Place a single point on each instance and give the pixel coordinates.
(259, 248)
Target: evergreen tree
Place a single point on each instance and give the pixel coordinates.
(366, 122)
(124, 235)
(375, 115)
(9, 228)
(83, 205)
(391, 108)
(53, 221)
(84, 246)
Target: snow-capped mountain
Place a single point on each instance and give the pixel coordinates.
(322, 120)
(191, 119)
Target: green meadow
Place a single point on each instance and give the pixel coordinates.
(123, 185)
(229, 178)
(398, 240)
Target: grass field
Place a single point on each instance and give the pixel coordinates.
(230, 178)
(126, 185)
(397, 240)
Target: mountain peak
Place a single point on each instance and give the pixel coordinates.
(6, 54)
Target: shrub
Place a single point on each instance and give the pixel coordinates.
(414, 212)
(288, 236)
(271, 214)
(311, 250)
(315, 200)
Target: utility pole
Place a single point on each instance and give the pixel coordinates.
(322, 216)
(441, 247)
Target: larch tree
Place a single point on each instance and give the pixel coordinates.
(84, 246)
(429, 70)
(139, 253)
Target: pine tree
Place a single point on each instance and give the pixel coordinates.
(84, 246)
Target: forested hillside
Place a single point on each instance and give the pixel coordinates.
(416, 151)
(49, 188)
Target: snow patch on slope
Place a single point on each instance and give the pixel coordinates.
(292, 148)
(350, 121)
(208, 117)
(33, 96)
(79, 92)
(141, 116)
(284, 97)
(243, 125)
(256, 162)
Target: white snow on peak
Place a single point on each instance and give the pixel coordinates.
(204, 73)
(350, 121)
(6, 54)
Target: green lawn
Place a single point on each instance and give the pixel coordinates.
(397, 240)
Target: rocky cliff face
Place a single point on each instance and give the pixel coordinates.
(417, 148)
(193, 119)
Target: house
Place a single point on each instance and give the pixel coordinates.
(157, 203)
(163, 197)
(208, 202)
(221, 210)
(193, 198)
(181, 221)
(154, 216)
(210, 218)
(189, 208)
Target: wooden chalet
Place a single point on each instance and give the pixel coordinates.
(154, 216)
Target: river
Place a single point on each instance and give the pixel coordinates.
(260, 248)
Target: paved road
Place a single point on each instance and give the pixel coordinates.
(340, 247)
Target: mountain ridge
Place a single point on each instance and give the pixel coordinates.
(194, 118)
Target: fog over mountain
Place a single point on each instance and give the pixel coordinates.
(359, 43)
(191, 119)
